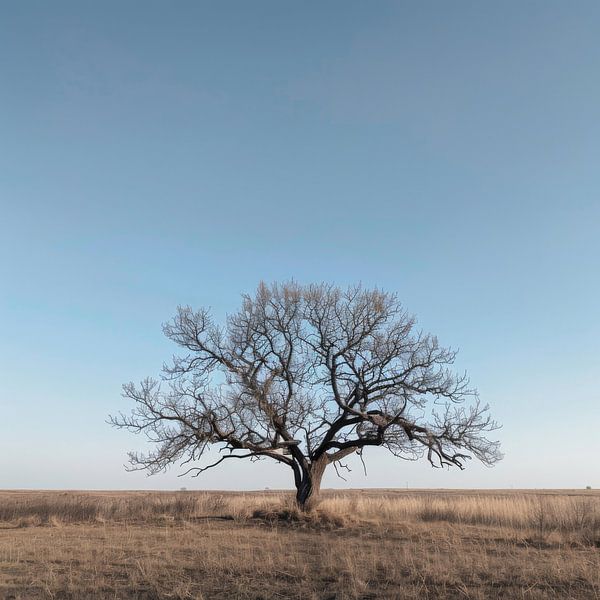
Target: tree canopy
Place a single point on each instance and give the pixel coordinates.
(307, 375)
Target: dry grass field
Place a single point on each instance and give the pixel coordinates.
(358, 544)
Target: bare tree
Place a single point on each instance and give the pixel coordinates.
(306, 376)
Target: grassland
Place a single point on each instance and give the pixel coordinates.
(358, 544)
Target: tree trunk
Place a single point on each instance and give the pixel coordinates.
(307, 494)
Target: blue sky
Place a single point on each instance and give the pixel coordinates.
(156, 154)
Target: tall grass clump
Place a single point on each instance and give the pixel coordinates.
(44, 510)
(575, 518)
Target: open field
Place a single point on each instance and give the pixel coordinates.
(358, 544)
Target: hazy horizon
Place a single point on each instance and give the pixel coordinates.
(153, 156)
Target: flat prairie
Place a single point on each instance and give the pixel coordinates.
(368, 544)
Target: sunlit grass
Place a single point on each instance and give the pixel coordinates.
(256, 545)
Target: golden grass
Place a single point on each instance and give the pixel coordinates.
(358, 544)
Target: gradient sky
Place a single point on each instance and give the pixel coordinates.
(155, 154)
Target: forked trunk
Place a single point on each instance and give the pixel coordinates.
(307, 494)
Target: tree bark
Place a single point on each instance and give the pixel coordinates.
(308, 491)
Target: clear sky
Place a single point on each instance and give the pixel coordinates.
(155, 154)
